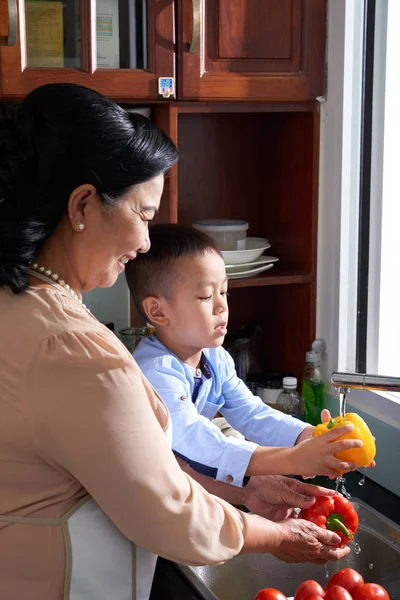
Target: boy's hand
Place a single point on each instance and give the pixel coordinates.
(326, 416)
(306, 434)
(311, 458)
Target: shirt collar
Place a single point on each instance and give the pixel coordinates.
(204, 367)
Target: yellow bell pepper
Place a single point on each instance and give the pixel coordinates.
(360, 456)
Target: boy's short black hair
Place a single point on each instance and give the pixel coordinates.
(153, 273)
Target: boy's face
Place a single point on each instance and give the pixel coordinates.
(197, 312)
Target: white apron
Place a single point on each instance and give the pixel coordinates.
(101, 563)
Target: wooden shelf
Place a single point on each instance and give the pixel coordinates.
(272, 277)
(243, 107)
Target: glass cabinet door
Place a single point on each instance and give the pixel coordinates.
(52, 33)
(122, 48)
(121, 34)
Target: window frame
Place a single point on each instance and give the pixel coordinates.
(339, 215)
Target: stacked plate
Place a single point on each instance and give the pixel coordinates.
(250, 261)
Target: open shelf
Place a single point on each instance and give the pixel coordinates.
(285, 316)
(259, 165)
(252, 166)
(258, 162)
(244, 107)
(273, 277)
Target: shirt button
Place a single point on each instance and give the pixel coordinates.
(198, 372)
(183, 398)
(229, 479)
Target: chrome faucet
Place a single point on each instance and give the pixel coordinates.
(363, 381)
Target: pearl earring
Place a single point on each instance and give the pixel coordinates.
(81, 226)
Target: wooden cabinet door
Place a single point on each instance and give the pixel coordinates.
(252, 49)
(59, 42)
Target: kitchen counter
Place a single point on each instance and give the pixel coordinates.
(170, 584)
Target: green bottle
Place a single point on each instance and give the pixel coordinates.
(313, 388)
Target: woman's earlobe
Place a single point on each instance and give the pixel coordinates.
(78, 203)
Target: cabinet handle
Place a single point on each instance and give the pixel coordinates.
(12, 23)
(194, 44)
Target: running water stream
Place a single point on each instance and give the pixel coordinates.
(342, 401)
(340, 481)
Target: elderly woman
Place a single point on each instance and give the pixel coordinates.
(90, 491)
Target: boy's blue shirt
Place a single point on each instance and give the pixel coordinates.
(195, 396)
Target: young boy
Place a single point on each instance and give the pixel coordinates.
(180, 287)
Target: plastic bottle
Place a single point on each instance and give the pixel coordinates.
(289, 400)
(313, 384)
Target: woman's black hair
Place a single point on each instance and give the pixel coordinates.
(61, 136)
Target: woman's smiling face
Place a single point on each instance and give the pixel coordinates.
(114, 235)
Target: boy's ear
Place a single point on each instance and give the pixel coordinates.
(153, 307)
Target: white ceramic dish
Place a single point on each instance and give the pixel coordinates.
(262, 260)
(254, 248)
(250, 272)
(230, 234)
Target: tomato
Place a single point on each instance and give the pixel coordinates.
(270, 594)
(307, 588)
(349, 579)
(336, 592)
(371, 591)
(314, 597)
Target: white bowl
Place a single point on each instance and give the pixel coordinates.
(254, 248)
(230, 234)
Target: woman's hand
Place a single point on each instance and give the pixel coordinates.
(292, 540)
(274, 496)
(302, 543)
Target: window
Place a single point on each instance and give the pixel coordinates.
(340, 219)
(380, 331)
(360, 31)
(370, 217)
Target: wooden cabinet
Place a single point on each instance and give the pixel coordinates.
(245, 118)
(252, 49)
(56, 42)
(259, 162)
(226, 49)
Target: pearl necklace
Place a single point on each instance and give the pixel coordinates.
(53, 279)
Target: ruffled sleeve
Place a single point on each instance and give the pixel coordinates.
(95, 419)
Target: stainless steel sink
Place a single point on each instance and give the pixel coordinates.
(242, 577)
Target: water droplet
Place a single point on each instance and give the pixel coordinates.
(326, 572)
(371, 566)
(362, 480)
(357, 548)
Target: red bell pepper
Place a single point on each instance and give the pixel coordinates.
(335, 513)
